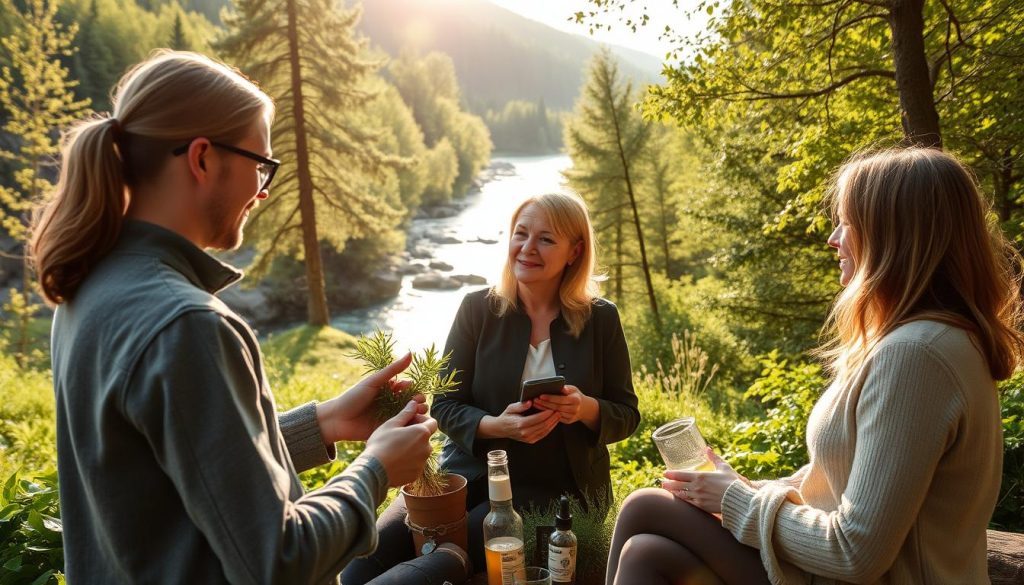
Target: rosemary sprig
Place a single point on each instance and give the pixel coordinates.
(425, 376)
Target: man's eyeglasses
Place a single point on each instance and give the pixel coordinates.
(266, 168)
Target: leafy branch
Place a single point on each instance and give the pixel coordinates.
(424, 376)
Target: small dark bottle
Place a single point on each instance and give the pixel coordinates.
(562, 546)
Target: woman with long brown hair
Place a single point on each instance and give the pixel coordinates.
(905, 445)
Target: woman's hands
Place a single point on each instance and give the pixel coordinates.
(571, 406)
(512, 424)
(703, 489)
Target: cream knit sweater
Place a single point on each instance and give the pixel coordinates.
(906, 458)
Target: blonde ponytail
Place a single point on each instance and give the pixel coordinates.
(81, 224)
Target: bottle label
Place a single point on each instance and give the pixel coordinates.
(561, 563)
(499, 488)
(513, 564)
(505, 559)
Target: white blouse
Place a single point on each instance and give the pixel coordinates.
(539, 362)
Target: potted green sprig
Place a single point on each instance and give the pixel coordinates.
(436, 501)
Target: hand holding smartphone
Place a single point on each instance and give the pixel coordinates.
(538, 386)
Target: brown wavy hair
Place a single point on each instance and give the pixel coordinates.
(569, 219)
(925, 246)
(167, 100)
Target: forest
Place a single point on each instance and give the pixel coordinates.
(706, 190)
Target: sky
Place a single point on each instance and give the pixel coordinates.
(555, 13)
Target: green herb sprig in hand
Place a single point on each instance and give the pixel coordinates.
(424, 377)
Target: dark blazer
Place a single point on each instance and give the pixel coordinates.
(490, 352)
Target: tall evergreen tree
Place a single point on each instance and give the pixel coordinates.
(607, 139)
(37, 100)
(178, 41)
(307, 55)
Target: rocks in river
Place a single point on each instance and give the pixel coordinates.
(420, 253)
(254, 304)
(439, 211)
(443, 239)
(470, 279)
(411, 268)
(435, 281)
(442, 266)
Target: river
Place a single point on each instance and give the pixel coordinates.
(419, 318)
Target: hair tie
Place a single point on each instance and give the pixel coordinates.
(115, 128)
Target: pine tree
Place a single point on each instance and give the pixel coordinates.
(178, 41)
(607, 140)
(306, 54)
(37, 99)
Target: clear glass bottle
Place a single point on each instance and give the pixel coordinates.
(503, 527)
(562, 546)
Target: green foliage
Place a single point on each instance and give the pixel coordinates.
(429, 86)
(23, 335)
(36, 101)
(593, 527)
(115, 34)
(776, 445)
(608, 141)
(308, 56)
(27, 436)
(525, 128)
(424, 376)
(1009, 514)
(664, 397)
(30, 530)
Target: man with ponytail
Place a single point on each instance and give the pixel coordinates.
(174, 465)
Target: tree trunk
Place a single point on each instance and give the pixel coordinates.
(317, 300)
(917, 102)
(619, 260)
(1003, 182)
(632, 203)
(663, 217)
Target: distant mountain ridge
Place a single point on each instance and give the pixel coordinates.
(498, 55)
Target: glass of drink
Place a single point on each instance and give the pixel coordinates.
(682, 446)
(533, 576)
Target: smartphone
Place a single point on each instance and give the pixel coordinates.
(536, 387)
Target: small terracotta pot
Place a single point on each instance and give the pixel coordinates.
(446, 512)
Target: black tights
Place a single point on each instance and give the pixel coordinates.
(661, 539)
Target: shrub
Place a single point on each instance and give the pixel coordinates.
(775, 445)
(1009, 514)
(30, 530)
(27, 433)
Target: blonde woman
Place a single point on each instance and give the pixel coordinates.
(174, 464)
(544, 319)
(905, 445)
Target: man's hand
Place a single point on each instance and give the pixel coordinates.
(571, 406)
(350, 416)
(511, 424)
(402, 444)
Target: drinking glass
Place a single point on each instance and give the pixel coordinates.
(534, 576)
(682, 446)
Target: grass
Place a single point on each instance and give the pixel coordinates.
(313, 363)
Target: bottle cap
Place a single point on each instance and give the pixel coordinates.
(563, 520)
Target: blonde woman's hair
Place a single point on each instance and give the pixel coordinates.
(570, 220)
(161, 103)
(924, 247)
